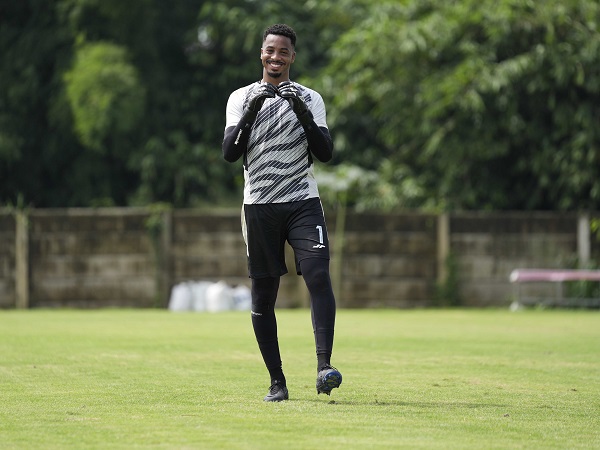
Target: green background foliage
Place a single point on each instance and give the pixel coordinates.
(443, 105)
(104, 93)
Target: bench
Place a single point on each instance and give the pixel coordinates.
(558, 276)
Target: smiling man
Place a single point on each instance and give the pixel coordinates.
(277, 55)
(277, 126)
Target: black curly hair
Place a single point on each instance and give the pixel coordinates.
(281, 29)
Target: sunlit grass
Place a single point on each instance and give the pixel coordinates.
(412, 379)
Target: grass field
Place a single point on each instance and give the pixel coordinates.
(430, 379)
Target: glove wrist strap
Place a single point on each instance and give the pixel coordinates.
(249, 116)
(305, 118)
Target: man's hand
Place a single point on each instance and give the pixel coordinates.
(289, 91)
(259, 95)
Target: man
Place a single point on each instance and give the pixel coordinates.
(277, 126)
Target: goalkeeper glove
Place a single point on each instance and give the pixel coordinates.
(258, 96)
(290, 91)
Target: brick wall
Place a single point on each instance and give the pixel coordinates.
(88, 257)
(489, 246)
(388, 260)
(94, 258)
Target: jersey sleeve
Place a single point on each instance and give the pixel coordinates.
(235, 107)
(317, 108)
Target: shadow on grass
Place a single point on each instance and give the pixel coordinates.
(400, 403)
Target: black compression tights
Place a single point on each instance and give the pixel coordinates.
(322, 304)
(264, 294)
(315, 272)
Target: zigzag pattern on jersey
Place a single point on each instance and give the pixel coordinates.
(277, 160)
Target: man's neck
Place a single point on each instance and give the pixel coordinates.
(274, 81)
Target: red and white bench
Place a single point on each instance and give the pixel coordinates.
(558, 276)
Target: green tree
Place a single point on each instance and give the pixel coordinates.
(37, 147)
(491, 104)
(69, 138)
(105, 95)
(164, 162)
(107, 103)
(458, 104)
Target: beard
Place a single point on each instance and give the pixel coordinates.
(274, 74)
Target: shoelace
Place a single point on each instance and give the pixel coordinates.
(275, 387)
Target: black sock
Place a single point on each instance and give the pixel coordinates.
(323, 359)
(277, 375)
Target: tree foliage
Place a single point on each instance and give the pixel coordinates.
(36, 143)
(104, 93)
(485, 104)
(472, 104)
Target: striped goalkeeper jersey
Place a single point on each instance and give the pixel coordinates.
(278, 167)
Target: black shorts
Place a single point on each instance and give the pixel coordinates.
(266, 228)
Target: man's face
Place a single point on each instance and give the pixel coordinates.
(277, 55)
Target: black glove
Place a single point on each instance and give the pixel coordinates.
(289, 91)
(257, 97)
